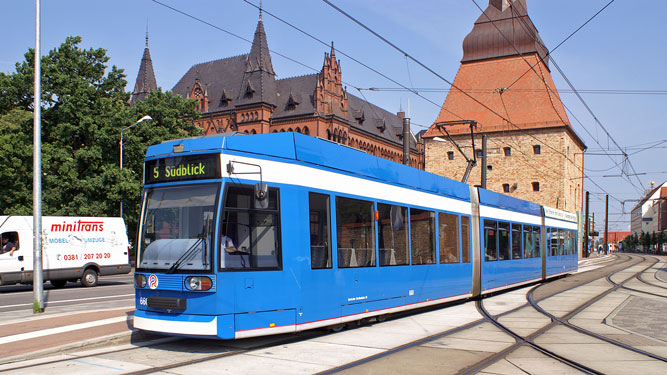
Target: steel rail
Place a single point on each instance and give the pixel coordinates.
(565, 319)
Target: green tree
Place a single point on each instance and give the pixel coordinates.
(84, 109)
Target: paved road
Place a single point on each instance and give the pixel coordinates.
(111, 292)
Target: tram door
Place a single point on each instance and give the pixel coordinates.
(318, 303)
(252, 248)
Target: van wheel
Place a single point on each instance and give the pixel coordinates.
(89, 278)
(58, 283)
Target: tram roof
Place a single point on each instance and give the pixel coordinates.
(502, 201)
(319, 152)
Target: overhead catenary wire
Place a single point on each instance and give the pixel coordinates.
(549, 52)
(581, 99)
(311, 36)
(293, 60)
(527, 29)
(326, 44)
(449, 82)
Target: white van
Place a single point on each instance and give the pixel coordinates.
(73, 248)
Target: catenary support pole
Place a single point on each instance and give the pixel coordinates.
(606, 224)
(584, 253)
(37, 276)
(483, 182)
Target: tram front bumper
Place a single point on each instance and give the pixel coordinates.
(188, 325)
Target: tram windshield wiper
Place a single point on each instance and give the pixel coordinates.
(187, 255)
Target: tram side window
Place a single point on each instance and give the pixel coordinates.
(490, 240)
(393, 235)
(552, 240)
(561, 242)
(448, 232)
(529, 242)
(355, 232)
(537, 236)
(516, 241)
(465, 239)
(422, 236)
(250, 236)
(320, 232)
(503, 241)
(571, 244)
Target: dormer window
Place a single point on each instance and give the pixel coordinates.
(226, 98)
(292, 103)
(249, 91)
(360, 117)
(380, 124)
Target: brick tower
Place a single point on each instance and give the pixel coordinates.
(533, 152)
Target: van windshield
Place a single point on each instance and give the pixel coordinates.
(177, 228)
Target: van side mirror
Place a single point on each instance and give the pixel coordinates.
(20, 258)
(261, 195)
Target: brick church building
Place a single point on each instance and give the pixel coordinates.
(243, 94)
(532, 151)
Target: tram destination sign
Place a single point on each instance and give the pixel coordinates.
(182, 168)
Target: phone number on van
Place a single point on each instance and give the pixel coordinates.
(89, 256)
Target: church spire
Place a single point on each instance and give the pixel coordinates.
(145, 82)
(259, 78)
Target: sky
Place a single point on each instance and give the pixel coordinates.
(623, 48)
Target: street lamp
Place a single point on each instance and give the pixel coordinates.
(143, 119)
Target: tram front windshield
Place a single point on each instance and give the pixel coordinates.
(177, 228)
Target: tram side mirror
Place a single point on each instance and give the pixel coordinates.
(261, 195)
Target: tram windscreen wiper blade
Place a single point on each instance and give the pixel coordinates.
(186, 256)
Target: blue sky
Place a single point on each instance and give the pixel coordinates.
(622, 49)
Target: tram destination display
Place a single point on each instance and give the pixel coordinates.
(182, 168)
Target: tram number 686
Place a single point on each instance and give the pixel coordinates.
(143, 301)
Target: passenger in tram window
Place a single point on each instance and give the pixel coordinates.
(227, 244)
(165, 231)
(8, 246)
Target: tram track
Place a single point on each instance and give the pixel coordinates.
(525, 340)
(488, 360)
(529, 340)
(220, 350)
(565, 319)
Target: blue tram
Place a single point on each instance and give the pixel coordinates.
(249, 235)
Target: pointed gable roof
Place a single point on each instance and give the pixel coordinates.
(503, 29)
(145, 82)
(259, 73)
(498, 75)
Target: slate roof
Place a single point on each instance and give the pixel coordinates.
(145, 78)
(501, 30)
(228, 79)
(258, 75)
(216, 76)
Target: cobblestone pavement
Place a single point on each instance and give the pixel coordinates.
(644, 316)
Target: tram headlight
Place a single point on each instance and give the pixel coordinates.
(139, 280)
(201, 283)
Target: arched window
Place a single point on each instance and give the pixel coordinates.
(298, 130)
(306, 131)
